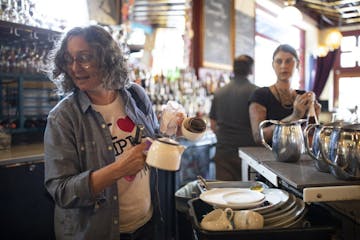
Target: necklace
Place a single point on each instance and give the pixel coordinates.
(287, 106)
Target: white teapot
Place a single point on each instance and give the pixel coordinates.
(165, 153)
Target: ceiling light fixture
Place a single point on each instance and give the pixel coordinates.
(321, 51)
(290, 14)
(333, 39)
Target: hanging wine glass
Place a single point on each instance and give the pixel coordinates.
(24, 13)
(10, 13)
(34, 13)
(1, 9)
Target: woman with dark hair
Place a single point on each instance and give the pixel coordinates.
(280, 101)
(94, 166)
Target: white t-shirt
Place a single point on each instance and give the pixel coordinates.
(135, 207)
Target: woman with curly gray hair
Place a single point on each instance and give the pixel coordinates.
(94, 169)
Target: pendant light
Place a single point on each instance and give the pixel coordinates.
(333, 39)
(290, 14)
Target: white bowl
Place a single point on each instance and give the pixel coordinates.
(190, 135)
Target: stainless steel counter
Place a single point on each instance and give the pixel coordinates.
(304, 178)
(21, 154)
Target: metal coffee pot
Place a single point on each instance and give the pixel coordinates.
(320, 143)
(287, 141)
(344, 152)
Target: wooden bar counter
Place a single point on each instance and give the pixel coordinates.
(22, 154)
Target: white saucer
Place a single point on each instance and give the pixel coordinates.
(243, 196)
(235, 198)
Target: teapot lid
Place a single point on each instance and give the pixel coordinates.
(167, 140)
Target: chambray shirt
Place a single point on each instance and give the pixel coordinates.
(77, 141)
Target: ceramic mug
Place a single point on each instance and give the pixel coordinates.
(193, 128)
(218, 220)
(165, 154)
(247, 219)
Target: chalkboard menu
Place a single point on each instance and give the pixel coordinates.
(217, 37)
(245, 34)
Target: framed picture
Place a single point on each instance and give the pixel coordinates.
(105, 12)
(218, 34)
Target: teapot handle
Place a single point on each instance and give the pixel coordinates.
(229, 213)
(322, 150)
(307, 142)
(261, 128)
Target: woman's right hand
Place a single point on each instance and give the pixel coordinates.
(131, 161)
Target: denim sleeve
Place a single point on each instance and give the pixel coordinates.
(151, 120)
(64, 180)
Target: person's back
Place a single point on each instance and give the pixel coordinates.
(229, 117)
(231, 113)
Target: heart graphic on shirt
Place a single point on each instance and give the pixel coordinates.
(125, 124)
(130, 178)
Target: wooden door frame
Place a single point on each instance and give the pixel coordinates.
(343, 72)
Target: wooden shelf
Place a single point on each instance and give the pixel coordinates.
(10, 31)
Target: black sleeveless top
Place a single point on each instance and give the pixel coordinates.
(274, 109)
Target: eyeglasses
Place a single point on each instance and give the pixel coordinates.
(287, 61)
(84, 59)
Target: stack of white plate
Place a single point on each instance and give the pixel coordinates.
(279, 208)
(287, 214)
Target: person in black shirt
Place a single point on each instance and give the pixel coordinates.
(229, 118)
(280, 101)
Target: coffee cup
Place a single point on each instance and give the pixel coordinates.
(248, 219)
(193, 128)
(218, 220)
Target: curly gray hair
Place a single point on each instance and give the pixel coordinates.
(107, 54)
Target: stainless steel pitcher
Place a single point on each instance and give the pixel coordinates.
(287, 141)
(320, 143)
(344, 152)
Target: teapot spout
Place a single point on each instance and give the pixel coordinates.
(181, 149)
